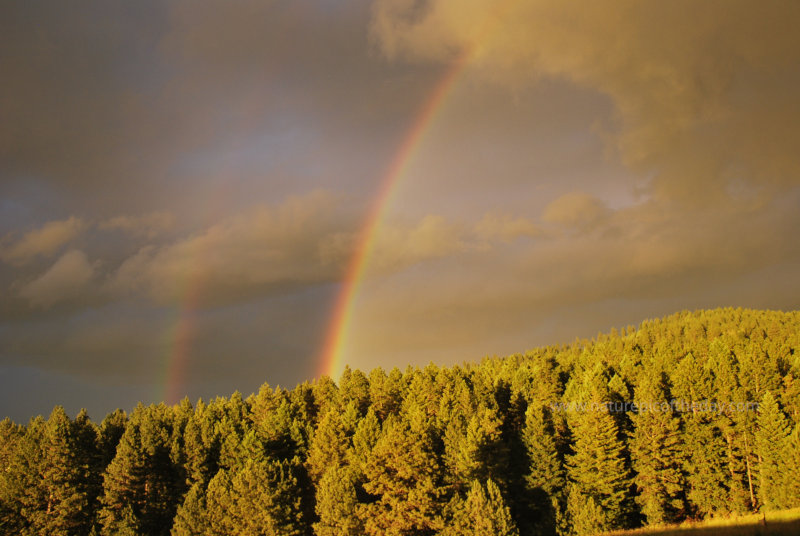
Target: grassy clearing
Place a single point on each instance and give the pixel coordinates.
(777, 523)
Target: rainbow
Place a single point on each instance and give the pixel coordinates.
(332, 360)
(181, 332)
(179, 339)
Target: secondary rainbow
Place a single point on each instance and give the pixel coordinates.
(179, 339)
(332, 358)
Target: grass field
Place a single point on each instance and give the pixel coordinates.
(778, 523)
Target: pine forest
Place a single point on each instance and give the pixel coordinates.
(692, 416)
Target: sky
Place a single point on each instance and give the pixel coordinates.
(199, 197)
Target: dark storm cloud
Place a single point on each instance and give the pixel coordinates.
(77, 79)
(104, 98)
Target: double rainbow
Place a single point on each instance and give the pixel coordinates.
(332, 356)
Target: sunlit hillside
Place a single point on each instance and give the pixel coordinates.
(691, 417)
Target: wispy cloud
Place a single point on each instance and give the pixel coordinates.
(66, 279)
(146, 225)
(42, 242)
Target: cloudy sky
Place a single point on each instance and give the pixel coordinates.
(183, 184)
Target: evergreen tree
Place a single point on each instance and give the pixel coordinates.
(483, 513)
(337, 503)
(111, 429)
(329, 446)
(792, 482)
(201, 445)
(125, 523)
(366, 435)
(10, 517)
(283, 430)
(598, 470)
(191, 518)
(403, 476)
(475, 451)
(261, 498)
(88, 459)
(354, 389)
(773, 447)
(52, 481)
(545, 479)
(143, 485)
(326, 395)
(385, 392)
(586, 516)
(656, 453)
(704, 466)
(691, 381)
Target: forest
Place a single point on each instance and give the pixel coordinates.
(692, 416)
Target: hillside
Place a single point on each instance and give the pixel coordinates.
(688, 417)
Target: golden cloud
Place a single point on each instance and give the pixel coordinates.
(576, 210)
(705, 92)
(64, 280)
(42, 242)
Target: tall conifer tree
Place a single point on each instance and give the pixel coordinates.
(403, 475)
(546, 477)
(773, 446)
(656, 453)
(337, 503)
(483, 513)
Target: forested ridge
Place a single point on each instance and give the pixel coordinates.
(690, 416)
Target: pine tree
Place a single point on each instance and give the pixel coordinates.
(483, 513)
(475, 451)
(191, 517)
(125, 523)
(773, 447)
(337, 503)
(329, 446)
(366, 435)
(326, 395)
(111, 429)
(704, 466)
(261, 498)
(598, 469)
(691, 381)
(88, 459)
(545, 479)
(792, 482)
(52, 480)
(201, 445)
(10, 517)
(354, 389)
(143, 485)
(403, 475)
(586, 516)
(736, 426)
(385, 392)
(283, 431)
(656, 453)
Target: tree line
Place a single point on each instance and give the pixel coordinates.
(528, 444)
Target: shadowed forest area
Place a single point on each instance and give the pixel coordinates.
(689, 417)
